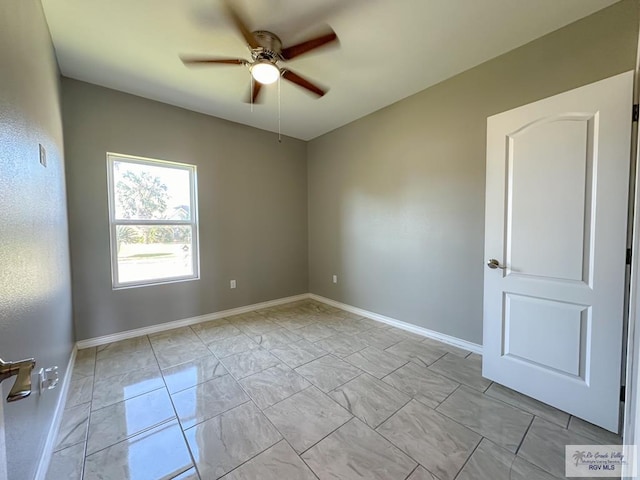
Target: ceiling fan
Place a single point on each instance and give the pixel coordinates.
(266, 54)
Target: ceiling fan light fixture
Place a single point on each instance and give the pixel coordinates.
(265, 72)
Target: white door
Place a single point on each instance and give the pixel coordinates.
(556, 222)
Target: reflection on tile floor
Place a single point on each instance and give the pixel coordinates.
(302, 391)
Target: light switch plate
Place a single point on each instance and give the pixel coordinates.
(43, 155)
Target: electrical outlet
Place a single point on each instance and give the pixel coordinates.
(232, 284)
(48, 378)
(43, 155)
(335, 279)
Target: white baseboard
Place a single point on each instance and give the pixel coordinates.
(114, 337)
(50, 443)
(425, 332)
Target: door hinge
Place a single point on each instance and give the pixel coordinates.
(623, 393)
(628, 256)
(636, 112)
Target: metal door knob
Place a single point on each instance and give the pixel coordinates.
(493, 264)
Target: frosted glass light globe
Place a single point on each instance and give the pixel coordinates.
(265, 72)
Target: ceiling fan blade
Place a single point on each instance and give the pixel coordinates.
(302, 82)
(240, 24)
(253, 96)
(201, 61)
(308, 45)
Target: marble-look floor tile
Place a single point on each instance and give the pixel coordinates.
(67, 464)
(117, 364)
(418, 352)
(116, 422)
(599, 435)
(348, 315)
(272, 385)
(376, 362)
(437, 442)
(126, 347)
(445, 346)
(176, 336)
(528, 404)
(80, 391)
(421, 473)
(108, 391)
(192, 373)
(206, 400)
(380, 338)
(293, 323)
(73, 427)
(315, 332)
(299, 353)
(306, 417)
(499, 422)
(369, 399)
(355, 451)
(491, 462)
(231, 345)
(349, 327)
(279, 462)
(328, 372)
(190, 474)
(422, 384)
(257, 326)
(171, 354)
(247, 363)
(365, 323)
(216, 330)
(406, 334)
(85, 363)
(224, 442)
(156, 453)
(544, 445)
(276, 338)
(342, 345)
(463, 370)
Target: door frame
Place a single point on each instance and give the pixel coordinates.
(3, 450)
(631, 416)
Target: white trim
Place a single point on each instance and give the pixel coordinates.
(425, 332)
(3, 446)
(114, 337)
(50, 443)
(631, 425)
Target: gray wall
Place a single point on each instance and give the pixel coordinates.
(396, 199)
(252, 205)
(35, 286)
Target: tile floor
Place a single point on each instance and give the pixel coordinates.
(302, 391)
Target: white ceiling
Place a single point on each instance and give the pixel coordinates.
(389, 49)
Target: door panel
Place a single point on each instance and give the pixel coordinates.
(552, 157)
(556, 219)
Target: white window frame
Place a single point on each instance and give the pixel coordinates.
(114, 223)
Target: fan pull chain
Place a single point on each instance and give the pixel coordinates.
(251, 91)
(279, 123)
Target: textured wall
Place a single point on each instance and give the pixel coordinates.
(252, 206)
(35, 289)
(396, 199)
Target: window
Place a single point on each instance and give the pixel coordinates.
(153, 221)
